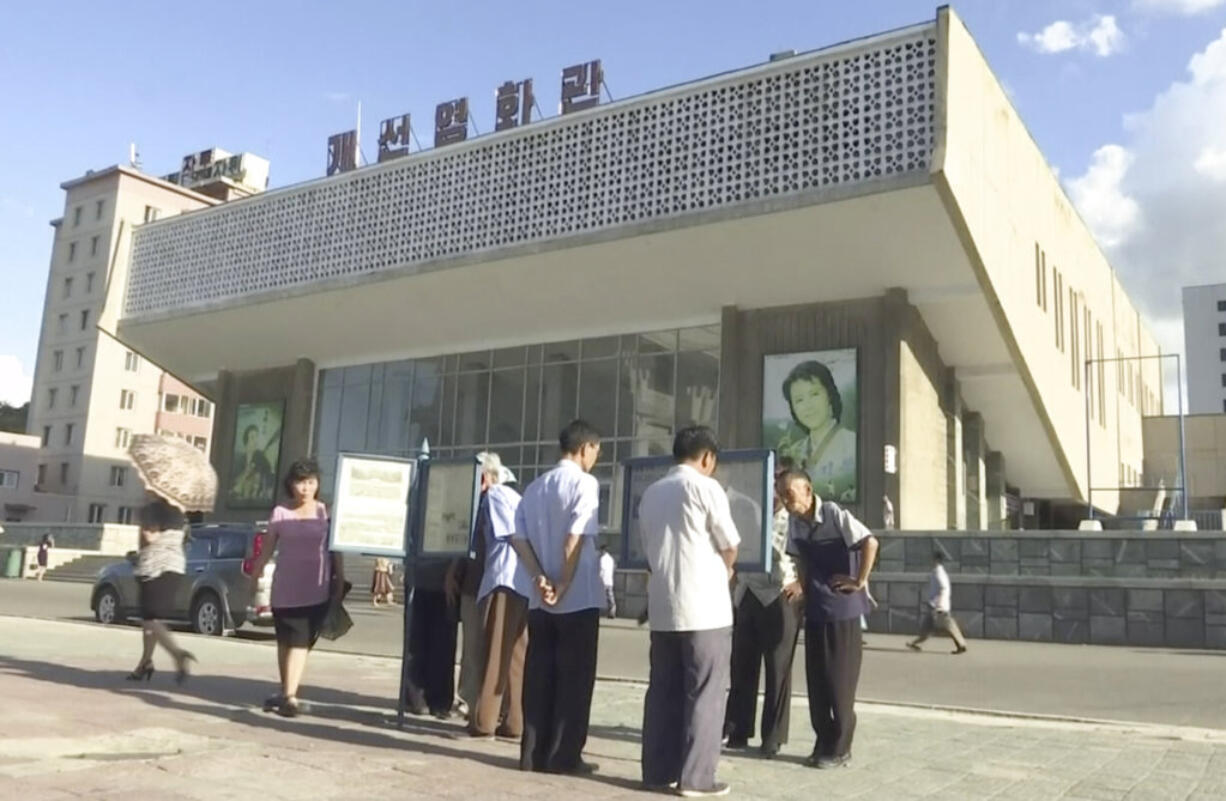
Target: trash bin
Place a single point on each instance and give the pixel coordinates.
(10, 562)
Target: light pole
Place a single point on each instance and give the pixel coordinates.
(1183, 472)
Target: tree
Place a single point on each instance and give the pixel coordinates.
(13, 418)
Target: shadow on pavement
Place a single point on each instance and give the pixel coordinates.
(237, 700)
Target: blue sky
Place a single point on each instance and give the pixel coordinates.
(83, 79)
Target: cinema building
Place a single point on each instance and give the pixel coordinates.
(876, 207)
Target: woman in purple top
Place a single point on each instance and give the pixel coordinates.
(306, 578)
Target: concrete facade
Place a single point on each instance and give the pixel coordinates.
(1204, 332)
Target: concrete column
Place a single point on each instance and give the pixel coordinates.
(994, 465)
(730, 381)
(296, 435)
(974, 447)
(224, 409)
(956, 486)
(896, 309)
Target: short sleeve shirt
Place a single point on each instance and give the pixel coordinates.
(829, 545)
(501, 562)
(564, 501)
(304, 567)
(686, 522)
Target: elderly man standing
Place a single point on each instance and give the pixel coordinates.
(503, 602)
(556, 527)
(767, 624)
(690, 543)
(834, 555)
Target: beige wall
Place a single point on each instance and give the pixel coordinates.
(1014, 213)
(1205, 452)
(924, 461)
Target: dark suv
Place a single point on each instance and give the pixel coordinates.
(216, 594)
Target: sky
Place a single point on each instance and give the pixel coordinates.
(1126, 98)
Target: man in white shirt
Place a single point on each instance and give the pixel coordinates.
(556, 527)
(690, 543)
(767, 624)
(608, 568)
(937, 616)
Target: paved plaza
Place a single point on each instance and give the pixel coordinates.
(71, 727)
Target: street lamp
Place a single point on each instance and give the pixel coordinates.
(1183, 473)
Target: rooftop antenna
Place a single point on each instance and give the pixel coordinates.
(133, 156)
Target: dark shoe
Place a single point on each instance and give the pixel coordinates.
(289, 708)
(273, 701)
(503, 733)
(828, 762)
(581, 769)
(717, 789)
(142, 673)
(441, 714)
(660, 788)
(769, 751)
(914, 646)
(736, 744)
(181, 661)
(961, 649)
(812, 759)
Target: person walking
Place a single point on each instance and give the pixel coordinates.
(690, 544)
(178, 479)
(608, 569)
(937, 615)
(307, 578)
(503, 606)
(834, 555)
(767, 624)
(555, 534)
(44, 553)
(381, 583)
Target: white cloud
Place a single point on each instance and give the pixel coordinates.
(1187, 7)
(14, 383)
(1098, 194)
(1099, 35)
(1171, 169)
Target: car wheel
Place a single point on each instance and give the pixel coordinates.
(206, 614)
(106, 610)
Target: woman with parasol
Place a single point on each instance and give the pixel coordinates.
(179, 479)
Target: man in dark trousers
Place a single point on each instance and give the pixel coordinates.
(432, 641)
(834, 555)
(556, 527)
(767, 623)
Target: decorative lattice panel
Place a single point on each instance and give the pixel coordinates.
(838, 117)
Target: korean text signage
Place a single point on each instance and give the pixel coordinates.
(513, 105)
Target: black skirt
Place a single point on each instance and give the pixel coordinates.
(298, 626)
(157, 596)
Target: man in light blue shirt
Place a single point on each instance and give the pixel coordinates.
(556, 528)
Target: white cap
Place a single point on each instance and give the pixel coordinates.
(492, 462)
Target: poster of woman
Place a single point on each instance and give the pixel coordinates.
(810, 413)
(257, 449)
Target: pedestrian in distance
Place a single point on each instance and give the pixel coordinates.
(381, 583)
(306, 580)
(44, 553)
(937, 614)
(767, 623)
(690, 543)
(834, 555)
(556, 527)
(608, 569)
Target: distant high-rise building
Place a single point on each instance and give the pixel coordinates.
(1204, 331)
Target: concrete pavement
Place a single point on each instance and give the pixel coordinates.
(1177, 687)
(71, 727)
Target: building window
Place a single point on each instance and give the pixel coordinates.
(42, 475)
(80, 357)
(1038, 276)
(64, 474)
(68, 287)
(8, 479)
(202, 408)
(74, 392)
(170, 403)
(127, 399)
(84, 319)
(98, 209)
(151, 214)
(124, 515)
(51, 393)
(57, 360)
(1221, 305)
(118, 476)
(68, 434)
(61, 324)
(200, 442)
(76, 216)
(122, 436)
(96, 510)
(131, 362)
(1221, 329)
(89, 283)
(72, 251)
(93, 246)
(46, 436)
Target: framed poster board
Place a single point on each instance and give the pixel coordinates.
(372, 504)
(451, 490)
(811, 413)
(747, 476)
(256, 455)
